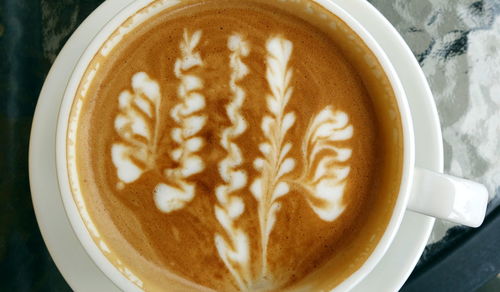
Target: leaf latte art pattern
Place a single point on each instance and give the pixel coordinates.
(323, 178)
(234, 252)
(137, 126)
(138, 123)
(322, 181)
(274, 164)
(171, 197)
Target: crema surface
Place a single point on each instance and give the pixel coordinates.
(232, 145)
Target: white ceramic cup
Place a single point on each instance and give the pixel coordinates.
(427, 192)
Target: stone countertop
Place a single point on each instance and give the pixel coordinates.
(457, 43)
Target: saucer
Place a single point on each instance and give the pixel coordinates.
(70, 257)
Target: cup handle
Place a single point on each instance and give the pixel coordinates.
(447, 197)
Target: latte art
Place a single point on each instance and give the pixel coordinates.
(234, 252)
(322, 181)
(133, 155)
(170, 197)
(237, 149)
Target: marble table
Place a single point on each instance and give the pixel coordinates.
(457, 43)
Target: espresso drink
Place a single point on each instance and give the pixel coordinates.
(235, 145)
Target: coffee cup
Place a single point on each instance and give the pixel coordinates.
(420, 190)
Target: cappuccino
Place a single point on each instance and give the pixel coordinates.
(235, 145)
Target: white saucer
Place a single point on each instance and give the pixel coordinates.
(71, 259)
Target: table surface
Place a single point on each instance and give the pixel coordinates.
(457, 44)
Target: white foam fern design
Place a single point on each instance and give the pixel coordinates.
(137, 126)
(233, 247)
(273, 165)
(325, 173)
(180, 191)
(325, 169)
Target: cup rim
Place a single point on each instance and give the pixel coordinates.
(72, 210)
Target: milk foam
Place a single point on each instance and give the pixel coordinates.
(273, 164)
(325, 180)
(236, 253)
(174, 196)
(138, 116)
(138, 127)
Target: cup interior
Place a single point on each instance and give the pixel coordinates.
(370, 61)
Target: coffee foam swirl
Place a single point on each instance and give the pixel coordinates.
(174, 196)
(236, 253)
(274, 164)
(322, 180)
(323, 177)
(137, 125)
